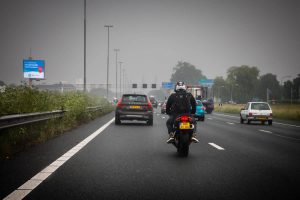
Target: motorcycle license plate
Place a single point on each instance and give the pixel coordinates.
(184, 125)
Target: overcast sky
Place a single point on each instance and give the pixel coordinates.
(152, 35)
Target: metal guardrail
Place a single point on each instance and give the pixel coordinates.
(9, 121)
(21, 119)
(94, 109)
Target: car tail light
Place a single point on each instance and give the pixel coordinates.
(120, 105)
(271, 114)
(250, 114)
(149, 105)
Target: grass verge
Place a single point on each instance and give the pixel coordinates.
(21, 99)
(280, 111)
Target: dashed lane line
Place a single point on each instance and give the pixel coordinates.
(37, 179)
(282, 136)
(230, 123)
(265, 131)
(216, 146)
(283, 124)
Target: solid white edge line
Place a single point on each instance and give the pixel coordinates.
(292, 125)
(37, 179)
(216, 146)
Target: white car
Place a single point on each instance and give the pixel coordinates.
(256, 111)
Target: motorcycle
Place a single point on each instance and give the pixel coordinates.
(184, 126)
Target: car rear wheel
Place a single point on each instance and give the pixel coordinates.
(150, 122)
(248, 121)
(270, 122)
(117, 121)
(241, 120)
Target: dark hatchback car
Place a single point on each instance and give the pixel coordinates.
(134, 107)
(209, 105)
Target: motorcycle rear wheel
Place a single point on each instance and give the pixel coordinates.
(184, 145)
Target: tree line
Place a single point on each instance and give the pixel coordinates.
(242, 84)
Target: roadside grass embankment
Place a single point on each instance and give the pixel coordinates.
(280, 111)
(21, 99)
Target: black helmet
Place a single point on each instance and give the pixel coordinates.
(180, 86)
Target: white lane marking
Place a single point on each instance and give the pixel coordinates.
(216, 146)
(287, 137)
(226, 115)
(163, 117)
(37, 179)
(230, 123)
(292, 125)
(209, 118)
(265, 131)
(286, 124)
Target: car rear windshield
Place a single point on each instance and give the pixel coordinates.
(134, 98)
(260, 106)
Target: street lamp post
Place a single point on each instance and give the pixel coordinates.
(107, 69)
(232, 92)
(281, 81)
(84, 49)
(116, 50)
(120, 76)
(123, 80)
(220, 99)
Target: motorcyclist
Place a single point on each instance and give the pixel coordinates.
(173, 111)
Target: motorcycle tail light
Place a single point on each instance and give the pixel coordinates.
(184, 118)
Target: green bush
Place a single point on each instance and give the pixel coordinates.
(22, 99)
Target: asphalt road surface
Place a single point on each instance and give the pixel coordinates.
(101, 160)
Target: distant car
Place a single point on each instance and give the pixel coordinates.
(163, 107)
(134, 107)
(153, 101)
(256, 111)
(209, 105)
(200, 111)
(115, 101)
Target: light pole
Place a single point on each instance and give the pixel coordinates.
(220, 99)
(116, 50)
(281, 81)
(123, 80)
(107, 69)
(120, 76)
(232, 91)
(84, 49)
